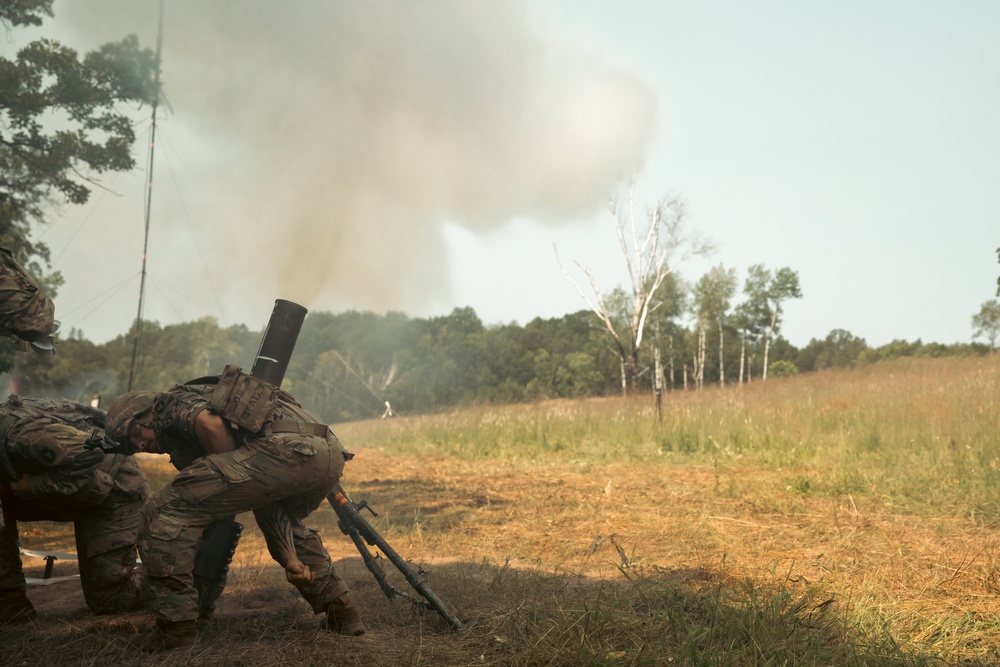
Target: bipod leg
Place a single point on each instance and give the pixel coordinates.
(371, 562)
(360, 531)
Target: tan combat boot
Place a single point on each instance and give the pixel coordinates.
(343, 616)
(16, 608)
(166, 636)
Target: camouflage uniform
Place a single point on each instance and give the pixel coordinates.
(102, 494)
(294, 460)
(26, 313)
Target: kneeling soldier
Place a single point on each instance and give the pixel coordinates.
(50, 470)
(282, 467)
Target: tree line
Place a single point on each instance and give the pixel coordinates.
(347, 365)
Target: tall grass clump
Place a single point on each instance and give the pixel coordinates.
(656, 616)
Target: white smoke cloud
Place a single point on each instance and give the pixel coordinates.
(336, 138)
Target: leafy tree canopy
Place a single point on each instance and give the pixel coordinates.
(840, 349)
(24, 12)
(986, 323)
(60, 122)
(713, 292)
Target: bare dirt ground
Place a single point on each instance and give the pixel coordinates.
(494, 538)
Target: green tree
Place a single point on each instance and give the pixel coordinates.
(445, 364)
(61, 124)
(784, 368)
(546, 357)
(712, 295)
(177, 353)
(894, 349)
(345, 366)
(986, 323)
(749, 319)
(617, 306)
(80, 371)
(672, 300)
(578, 376)
(840, 349)
(509, 366)
(766, 291)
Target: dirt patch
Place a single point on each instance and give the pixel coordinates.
(471, 526)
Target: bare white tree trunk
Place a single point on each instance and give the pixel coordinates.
(767, 342)
(694, 370)
(700, 375)
(621, 365)
(649, 260)
(670, 344)
(722, 370)
(743, 354)
(658, 382)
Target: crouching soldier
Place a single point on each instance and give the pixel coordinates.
(51, 469)
(26, 312)
(280, 463)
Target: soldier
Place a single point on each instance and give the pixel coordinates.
(50, 472)
(282, 467)
(26, 313)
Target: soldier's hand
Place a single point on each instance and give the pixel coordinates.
(297, 572)
(22, 488)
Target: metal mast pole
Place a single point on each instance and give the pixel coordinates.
(137, 330)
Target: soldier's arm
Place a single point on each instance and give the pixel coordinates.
(213, 434)
(65, 484)
(277, 529)
(79, 480)
(21, 488)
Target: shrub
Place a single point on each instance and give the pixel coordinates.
(783, 368)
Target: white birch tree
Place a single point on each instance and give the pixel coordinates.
(748, 323)
(650, 246)
(766, 290)
(712, 299)
(986, 323)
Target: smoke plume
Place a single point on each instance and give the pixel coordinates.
(335, 138)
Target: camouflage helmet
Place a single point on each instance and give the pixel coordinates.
(25, 310)
(124, 409)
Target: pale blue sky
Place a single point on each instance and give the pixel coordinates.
(854, 142)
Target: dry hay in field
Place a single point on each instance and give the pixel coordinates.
(502, 542)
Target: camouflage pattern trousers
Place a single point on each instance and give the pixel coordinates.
(105, 545)
(299, 471)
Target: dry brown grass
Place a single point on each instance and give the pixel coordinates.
(560, 558)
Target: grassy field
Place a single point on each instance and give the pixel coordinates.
(841, 518)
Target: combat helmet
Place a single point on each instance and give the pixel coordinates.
(124, 409)
(26, 312)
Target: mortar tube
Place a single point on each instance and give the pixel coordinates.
(278, 342)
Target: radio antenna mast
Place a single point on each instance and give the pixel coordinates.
(137, 329)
